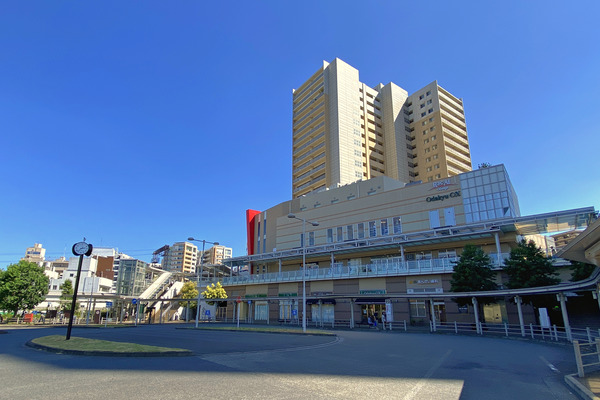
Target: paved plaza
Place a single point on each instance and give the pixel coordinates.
(247, 365)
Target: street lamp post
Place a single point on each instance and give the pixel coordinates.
(313, 223)
(191, 239)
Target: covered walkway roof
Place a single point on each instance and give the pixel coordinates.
(528, 225)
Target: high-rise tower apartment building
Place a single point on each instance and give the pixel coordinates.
(345, 131)
(181, 257)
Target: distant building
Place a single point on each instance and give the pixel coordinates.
(181, 257)
(216, 254)
(109, 260)
(36, 254)
(564, 238)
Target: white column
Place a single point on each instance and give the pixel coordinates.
(565, 315)
(497, 238)
(352, 313)
(476, 309)
(432, 308)
(518, 300)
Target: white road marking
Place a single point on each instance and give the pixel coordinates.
(415, 390)
(552, 367)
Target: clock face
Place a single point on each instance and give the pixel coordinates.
(80, 248)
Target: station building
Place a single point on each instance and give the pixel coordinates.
(382, 246)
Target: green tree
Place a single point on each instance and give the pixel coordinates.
(188, 291)
(581, 271)
(214, 292)
(66, 295)
(528, 267)
(22, 286)
(472, 273)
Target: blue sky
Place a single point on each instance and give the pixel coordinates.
(138, 124)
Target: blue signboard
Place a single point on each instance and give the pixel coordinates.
(207, 313)
(294, 312)
(134, 301)
(109, 304)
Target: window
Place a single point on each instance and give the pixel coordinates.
(449, 218)
(372, 229)
(397, 222)
(423, 123)
(425, 141)
(428, 159)
(435, 156)
(434, 219)
(350, 232)
(340, 234)
(311, 238)
(428, 92)
(434, 147)
(430, 111)
(423, 114)
(436, 166)
(384, 227)
(421, 97)
(330, 235)
(427, 150)
(438, 176)
(422, 105)
(417, 308)
(434, 137)
(431, 119)
(428, 169)
(432, 129)
(360, 230)
(425, 132)
(357, 153)
(429, 101)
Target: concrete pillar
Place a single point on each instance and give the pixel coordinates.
(497, 238)
(332, 260)
(280, 265)
(321, 313)
(351, 313)
(432, 308)
(519, 301)
(402, 254)
(476, 309)
(565, 315)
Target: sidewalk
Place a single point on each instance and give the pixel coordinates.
(587, 387)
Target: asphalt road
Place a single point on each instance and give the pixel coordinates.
(233, 365)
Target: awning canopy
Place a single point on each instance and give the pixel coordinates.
(323, 301)
(371, 300)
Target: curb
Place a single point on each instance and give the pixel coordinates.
(249, 331)
(580, 389)
(108, 353)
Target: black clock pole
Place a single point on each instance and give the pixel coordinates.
(74, 302)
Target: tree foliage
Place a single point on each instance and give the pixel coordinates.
(214, 292)
(188, 291)
(472, 273)
(527, 266)
(66, 295)
(22, 286)
(581, 271)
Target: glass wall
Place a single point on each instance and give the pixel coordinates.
(488, 194)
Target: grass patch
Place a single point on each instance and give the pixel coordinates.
(83, 344)
(263, 329)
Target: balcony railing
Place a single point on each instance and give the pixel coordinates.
(379, 268)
